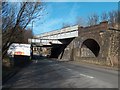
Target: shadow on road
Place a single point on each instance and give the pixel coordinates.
(38, 57)
(16, 65)
(47, 73)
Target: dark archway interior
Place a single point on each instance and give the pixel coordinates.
(58, 49)
(93, 46)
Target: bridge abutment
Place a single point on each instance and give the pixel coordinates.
(96, 44)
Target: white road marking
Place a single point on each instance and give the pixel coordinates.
(68, 69)
(86, 76)
(36, 61)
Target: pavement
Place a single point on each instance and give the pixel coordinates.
(48, 73)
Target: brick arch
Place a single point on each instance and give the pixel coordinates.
(92, 45)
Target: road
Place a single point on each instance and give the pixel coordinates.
(48, 73)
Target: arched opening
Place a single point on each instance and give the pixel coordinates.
(91, 47)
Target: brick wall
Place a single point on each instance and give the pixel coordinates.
(108, 41)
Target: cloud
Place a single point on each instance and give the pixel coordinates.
(74, 11)
(56, 23)
(50, 25)
(72, 14)
(53, 22)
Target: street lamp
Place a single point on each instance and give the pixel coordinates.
(32, 26)
(31, 42)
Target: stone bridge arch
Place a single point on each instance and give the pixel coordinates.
(91, 47)
(102, 42)
(95, 41)
(92, 41)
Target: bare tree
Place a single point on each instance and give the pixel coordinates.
(14, 18)
(26, 35)
(113, 18)
(104, 16)
(93, 19)
(119, 19)
(80, 21)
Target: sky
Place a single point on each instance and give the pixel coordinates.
(68, 12)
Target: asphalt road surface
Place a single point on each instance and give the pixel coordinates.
(48, 73)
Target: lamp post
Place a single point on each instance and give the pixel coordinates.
(32, 26)
(40, 46)
(31, 43)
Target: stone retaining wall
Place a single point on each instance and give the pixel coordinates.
(101, 39)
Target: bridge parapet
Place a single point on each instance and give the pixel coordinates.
(42, 42)
(95, 28)
(60, 34)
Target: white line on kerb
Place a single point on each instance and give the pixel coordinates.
(68, 69)
(86, 76)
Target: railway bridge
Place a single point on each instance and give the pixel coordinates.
(97, 43)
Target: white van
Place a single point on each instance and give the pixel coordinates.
(19, 53)
(19, 49)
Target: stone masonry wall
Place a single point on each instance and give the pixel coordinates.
(108, 41)
(114, 44)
